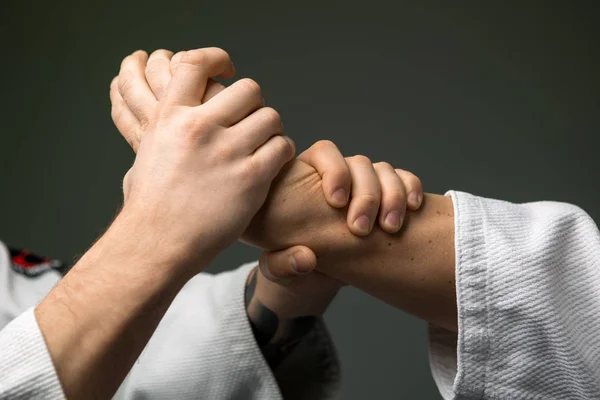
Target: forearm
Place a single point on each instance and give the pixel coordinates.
(98, 319)
(279, 319)
(412, 270)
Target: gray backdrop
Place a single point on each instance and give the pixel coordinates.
(501, 101)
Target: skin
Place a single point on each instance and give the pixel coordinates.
(107, 312)
(273, 305)
(100, 316)
(412, 270)
(306, 222)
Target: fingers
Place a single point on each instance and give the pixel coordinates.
(269, 158)
(326, 158)
(393, 198)
(158, 72)
(366, 195)
(285, 265)
(213, 88)
(124, 120)
(413, 188)
(234, 103)
(134, 88)
(256, 129)
(192, 71)
(175, 60)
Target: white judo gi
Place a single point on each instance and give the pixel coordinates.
(528, 293)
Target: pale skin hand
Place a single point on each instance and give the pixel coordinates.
(98, 319)
(412, 270)
(376, 190)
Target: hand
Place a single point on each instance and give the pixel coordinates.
(284, 296)
(158, 70)
(211, 164)
(296, 211)
(285, 283)
(323, 156)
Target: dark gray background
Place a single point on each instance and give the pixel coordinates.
(501, 101)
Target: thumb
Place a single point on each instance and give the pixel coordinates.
(285, 265)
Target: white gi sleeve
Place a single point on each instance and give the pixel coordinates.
(528, 292)
(26, 369)
(204, 348)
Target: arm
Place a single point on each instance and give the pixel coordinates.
(204, 348)
(97, 320)
(527, 283)
(285, 314)
(412, 269)
(525, 302)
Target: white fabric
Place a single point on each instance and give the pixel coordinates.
(528, 291)
(26, 370)
(203, 348)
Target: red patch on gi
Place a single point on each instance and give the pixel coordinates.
(29, 264)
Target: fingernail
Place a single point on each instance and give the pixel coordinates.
(339, 196)
(298, 266)
(420, 199)
(362, 224)
(393, 219)
(413, 199)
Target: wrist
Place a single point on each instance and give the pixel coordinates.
(280, 326)
(304, 296)
(154, 246)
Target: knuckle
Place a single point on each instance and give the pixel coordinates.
(324, 145)
(218, 53)
(194, 57)
(370, 199)
(382, 165)
(417, 183)
(140, 53)
(251, 86)
(410, 179)
(125, 82)
(224, 153)
(288, 146)
(271, 116)
(396, 197)
(360, 159)
(177, 57)
(281, 146)
(279, 150)
(115, 113)
(340, 176)
(161, 53)
(125, 61)
(251, 172)
(194, 129)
